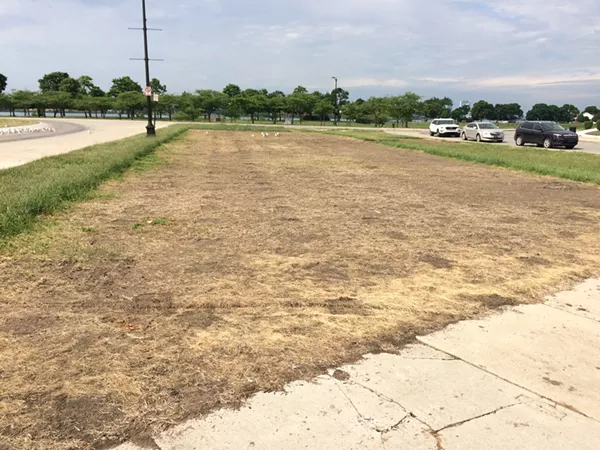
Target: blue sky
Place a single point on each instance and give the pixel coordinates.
(523, 51)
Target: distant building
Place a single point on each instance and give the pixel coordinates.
(464, 102)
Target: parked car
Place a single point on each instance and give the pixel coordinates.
(482, 131)
(547, 134)
(444, 127)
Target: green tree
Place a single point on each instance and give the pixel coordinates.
(232, 90)
(593, 110)
(234, 108)
(59, 102)
(378, 110)
(190, 106)
(460, 114)
(130, 102)
(51, 81)
(3, 82)
(157, 88)
(402, 108)
(23, 100)
(71, 86)
(568, 113)
(6, 102)
(298, 102)
(87, 86)
(170, 103)
(351, 111)
(323, 108)
(123, 84)
(482, 110)
(542, 111)
(84, 103)
(275, 105)
(211, 101)
(338, 97)
(437, 107)
(252, 102)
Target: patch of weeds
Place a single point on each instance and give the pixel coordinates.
(88, 230)
(159, 221)
(137, 225)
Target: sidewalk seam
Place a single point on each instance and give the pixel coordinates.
(556, 403)
(571, 312)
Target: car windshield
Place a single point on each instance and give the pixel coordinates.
(552, 126)
(446, 122)
(487, 126)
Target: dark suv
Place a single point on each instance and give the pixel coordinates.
(547, 134)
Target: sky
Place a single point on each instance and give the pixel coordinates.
(502, 51)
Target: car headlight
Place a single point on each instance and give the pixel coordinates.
(558, 136)
(487, 134)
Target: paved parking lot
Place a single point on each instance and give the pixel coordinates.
(586, 144)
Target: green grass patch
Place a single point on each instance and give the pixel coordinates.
(574, 166)
(7, 122)
(46, 185)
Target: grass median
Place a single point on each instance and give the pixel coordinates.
(45, 185)
(574, 166)
(10, 122)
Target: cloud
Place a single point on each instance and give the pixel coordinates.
(512, 51)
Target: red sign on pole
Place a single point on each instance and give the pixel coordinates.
(148, 91)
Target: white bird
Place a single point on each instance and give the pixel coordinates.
(52, 130)
(89, 132)
(262, 134)
(206, 132)
(252, 135)
(267, 134)
(276, 134)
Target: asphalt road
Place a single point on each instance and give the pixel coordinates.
(71, 134)
(61, 128)
(586, 144)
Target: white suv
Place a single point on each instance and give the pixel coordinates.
(444, 127)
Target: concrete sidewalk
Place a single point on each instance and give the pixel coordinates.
(526, 378)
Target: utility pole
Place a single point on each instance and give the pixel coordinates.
(335, 113)
(150, 128)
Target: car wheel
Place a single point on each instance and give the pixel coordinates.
(547, 143)
(431, 133)
(478, 138)
(519, 141)
(458, 135)
(464, 136)
(569, 147)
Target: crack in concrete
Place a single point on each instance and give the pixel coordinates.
(452, 425)
(393, 427)
(510, 382)
(571, 312)
(360, 416)
(451, 358)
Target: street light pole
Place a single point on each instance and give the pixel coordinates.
(150, 129)
(335, 113)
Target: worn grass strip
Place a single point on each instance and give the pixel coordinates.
(574, 166)
(236, 127)
(46, 185)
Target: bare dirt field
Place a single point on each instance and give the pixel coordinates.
(244, 263)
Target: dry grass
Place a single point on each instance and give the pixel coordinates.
(246, 263)
(10, 122)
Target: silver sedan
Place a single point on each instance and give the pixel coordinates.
(482, 131)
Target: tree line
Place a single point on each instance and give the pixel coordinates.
(59, 92)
